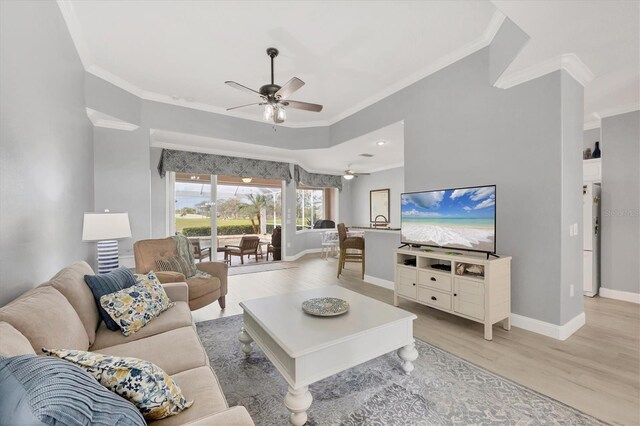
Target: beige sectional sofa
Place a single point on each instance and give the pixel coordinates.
(62, 314)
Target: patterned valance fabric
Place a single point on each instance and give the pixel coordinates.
(315, 179)
(200, 163)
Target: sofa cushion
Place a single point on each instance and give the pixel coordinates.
(70, 282)
(176, 317)
(201, 385)
(109, 283)
(41, 390)
(12, 342)
(47, 319)
(141, 382)
(174, 351)
(199, 287)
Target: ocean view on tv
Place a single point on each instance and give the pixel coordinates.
(461, 218)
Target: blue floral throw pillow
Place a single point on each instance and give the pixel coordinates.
(141, 382)
(131, 308)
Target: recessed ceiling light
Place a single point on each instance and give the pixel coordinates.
(381, 142)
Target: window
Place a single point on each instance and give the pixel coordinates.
(193, 204)
(313, 205)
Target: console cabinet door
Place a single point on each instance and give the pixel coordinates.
(468, 298)
(406, 282)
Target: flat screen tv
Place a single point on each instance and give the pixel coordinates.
(458, 218)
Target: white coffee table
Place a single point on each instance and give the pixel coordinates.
(306, 349)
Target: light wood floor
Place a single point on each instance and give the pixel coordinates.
(597, 370)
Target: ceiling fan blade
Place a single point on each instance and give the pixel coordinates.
(291, 86)
(242, 106)
(304, 105)
(243, 88)
(362, 174)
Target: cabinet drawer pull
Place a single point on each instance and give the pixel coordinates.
(455, 294)
(414, 284)
(433, 278)
(434, 298)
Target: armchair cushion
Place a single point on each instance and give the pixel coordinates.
(12, 342)
(170, 277)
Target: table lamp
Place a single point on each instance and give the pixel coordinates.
(106, 228)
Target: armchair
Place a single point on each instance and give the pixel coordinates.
(248, 245)
(202, 291)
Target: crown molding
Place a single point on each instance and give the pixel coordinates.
(610, 112)
(66, 7)
(593, 124)
(99, 119)
(75, 30)
(568, 62)
(487, 37)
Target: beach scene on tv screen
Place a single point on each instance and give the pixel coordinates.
(456, 218)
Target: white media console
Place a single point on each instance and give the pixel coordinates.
(474, 287)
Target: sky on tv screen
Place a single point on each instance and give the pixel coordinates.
(455, 218)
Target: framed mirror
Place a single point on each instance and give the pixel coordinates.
(379, 210)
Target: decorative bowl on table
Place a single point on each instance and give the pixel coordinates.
(325, 306)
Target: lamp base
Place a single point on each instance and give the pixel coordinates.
(107, 256)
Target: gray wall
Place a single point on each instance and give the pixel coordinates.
(122, 179)
(590, 138)
(572, 110)
(620, 242)
(46, 152)
(360, 187)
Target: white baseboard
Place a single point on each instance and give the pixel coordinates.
(627, 296)
(379, 282)
(302, 253)
(559, 332)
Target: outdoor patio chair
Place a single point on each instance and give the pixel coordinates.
(248, 246)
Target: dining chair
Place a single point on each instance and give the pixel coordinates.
(351, 249)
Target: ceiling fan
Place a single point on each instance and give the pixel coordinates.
(350, 174)
(274, 97)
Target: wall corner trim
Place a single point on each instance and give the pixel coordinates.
(570, 62)
(558, 332)
(625, 296)
(379, 282)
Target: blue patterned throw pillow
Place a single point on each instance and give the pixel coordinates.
(37, 390)
(100, 285)
(143, 383)
(133, 307)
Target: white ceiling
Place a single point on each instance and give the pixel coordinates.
(334, 160)
(349, 53)
(603, 34)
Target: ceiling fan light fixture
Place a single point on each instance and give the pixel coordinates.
(348, 176)
(280, 114)
(268, 112)
(246, 180)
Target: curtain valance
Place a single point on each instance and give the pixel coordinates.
(213, 164)
(316, 179)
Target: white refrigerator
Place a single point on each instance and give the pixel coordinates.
(591, 223)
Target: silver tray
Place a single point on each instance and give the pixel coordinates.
(325, 306)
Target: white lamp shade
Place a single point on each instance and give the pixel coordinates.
(105, 226)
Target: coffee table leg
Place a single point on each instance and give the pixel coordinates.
(298, 402)
(246, 341)
(408, 354)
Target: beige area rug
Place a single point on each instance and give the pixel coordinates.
(260, 267)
